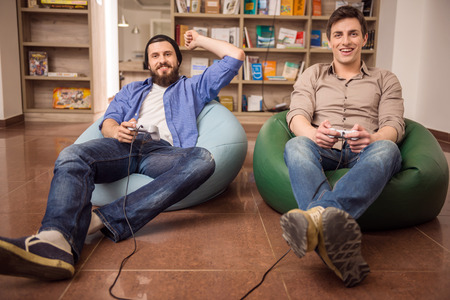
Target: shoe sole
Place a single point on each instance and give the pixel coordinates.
(15, 261)
(340, 246)
(295, 229)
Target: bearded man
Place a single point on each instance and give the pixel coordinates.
(167, 101)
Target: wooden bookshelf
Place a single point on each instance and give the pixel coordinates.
(67, 37)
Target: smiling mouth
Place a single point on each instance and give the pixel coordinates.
(346, 51)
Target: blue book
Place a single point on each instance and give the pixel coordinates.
(316, 38)
(250, 7)
(257, 71)
(265, 36)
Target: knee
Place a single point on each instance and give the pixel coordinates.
(70, 154)
(298, 147)
(203, 159)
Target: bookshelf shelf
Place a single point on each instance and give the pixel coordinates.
(66, 35)
(274, 92)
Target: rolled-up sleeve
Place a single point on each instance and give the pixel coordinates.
(391, 107)
(303, 96)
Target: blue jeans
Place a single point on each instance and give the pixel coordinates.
(176, 172)
(370, 170)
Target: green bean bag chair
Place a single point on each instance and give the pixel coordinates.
(413, 196)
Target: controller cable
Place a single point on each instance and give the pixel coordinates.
(270, 269)
(128, 222)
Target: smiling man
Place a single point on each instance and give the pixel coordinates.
(166, 100)
(344, 115)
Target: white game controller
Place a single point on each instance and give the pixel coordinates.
(343, 134)
(152, 130)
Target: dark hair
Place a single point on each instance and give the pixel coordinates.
(162, 38)
(345, 12)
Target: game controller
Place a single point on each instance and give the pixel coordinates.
(343, 134)
(151, 129)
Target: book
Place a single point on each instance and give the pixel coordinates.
(227, 101)
(62, 74)
(195, 6)
(317, 7)
(300, 39)
(234, 36)
(299, 7)
(198, 65)
(368, 8)
(249, 60)
(325, 40)
(316, 40)
(72, 98)
(180, 30)
(302, 66)
(38, 63)
(32, 4)
(247, 38)
(254, 103)
(276, 78)
(265, 36)
(231, 7)
(285, 37)
(77, 4)
(201, 30)
(287, 7)
(269, 68)
(212, 6)
(250, 7)
(274, 7)
(182, 6)
(290, 70)
(263, 8)
(257, 71)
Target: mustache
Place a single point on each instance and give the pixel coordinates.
(159, 66)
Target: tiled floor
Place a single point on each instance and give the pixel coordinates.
(218, 250)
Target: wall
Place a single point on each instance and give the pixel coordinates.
(128, 42)
(413, 43)
(10, 91)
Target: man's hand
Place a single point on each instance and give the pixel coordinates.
(364, 138)
(323, 133)
(190, 39)
(112, 129)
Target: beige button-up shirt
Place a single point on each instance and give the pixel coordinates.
(373, 99)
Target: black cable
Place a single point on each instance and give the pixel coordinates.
(265, 60)
(128, 222)
(265, 274)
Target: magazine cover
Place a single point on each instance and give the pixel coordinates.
(38, 63)
(72, 98)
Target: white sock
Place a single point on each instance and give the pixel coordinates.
(96, 224)
(55, 237)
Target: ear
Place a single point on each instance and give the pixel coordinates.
(366, 36)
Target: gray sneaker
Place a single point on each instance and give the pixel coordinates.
(34, 258)
(340, 246)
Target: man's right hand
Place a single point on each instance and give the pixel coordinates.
(323, 134)
(111, 129)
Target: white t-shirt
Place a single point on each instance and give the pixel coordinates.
(152, 112)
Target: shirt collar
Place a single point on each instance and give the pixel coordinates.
(364, 69)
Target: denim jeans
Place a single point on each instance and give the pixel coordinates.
(176, 172)
(370, 170)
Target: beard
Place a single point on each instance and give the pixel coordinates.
(166, 78)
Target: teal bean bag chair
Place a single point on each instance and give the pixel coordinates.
(219, 132)
(413, 196)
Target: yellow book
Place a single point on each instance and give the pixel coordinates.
(299, 7)
(287, 7)
(269, 68)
